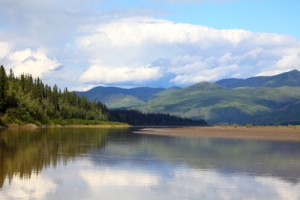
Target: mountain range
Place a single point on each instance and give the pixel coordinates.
(262, 100)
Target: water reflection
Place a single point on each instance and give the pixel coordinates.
(111, 164)
(26, 152)
(184, 183)
(250, 157)
(37, 187)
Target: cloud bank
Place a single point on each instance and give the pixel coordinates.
(142, 49)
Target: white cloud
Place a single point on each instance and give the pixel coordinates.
(82, 87)
(37, 187)
(288, 59)
(137, 31)
(108, 75)
(31, 62)
(27, 61)
(191, 53)
(187, 68)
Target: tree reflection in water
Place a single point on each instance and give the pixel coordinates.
(26, 152)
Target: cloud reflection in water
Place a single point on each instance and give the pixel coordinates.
(175, 182)
(36, 187)
(184, 183)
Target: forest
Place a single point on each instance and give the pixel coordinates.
(24, 100)
(137, 118)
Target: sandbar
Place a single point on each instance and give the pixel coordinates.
(255, 133)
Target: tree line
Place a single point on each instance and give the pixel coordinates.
(137, 118)
(25, 99)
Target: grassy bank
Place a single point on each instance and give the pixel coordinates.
(66, 123)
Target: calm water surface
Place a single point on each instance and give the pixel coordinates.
(119, 164)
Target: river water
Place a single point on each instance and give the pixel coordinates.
(91, 163)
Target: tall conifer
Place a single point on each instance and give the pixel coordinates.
(3, 88)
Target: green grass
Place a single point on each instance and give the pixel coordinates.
(87, 122)
(67, 122)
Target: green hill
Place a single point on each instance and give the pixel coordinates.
(217, 104)
(258, 100)
(291, 78)
(115, 97)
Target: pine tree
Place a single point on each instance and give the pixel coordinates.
(11, 74)
(54, 97)
(3, 88)
(27, 100)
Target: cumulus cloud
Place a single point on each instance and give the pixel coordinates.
(27, 61)
(118, 74)
(31, 62)
(288, 59)
(152, 48)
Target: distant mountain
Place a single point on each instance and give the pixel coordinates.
(217, 104)
(115, 97)
(257, 100)
(291, 78)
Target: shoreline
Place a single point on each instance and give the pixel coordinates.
(34, 126)
(252, 133)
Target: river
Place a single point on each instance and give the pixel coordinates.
(94, 163)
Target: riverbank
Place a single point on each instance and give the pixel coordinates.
(255, 133)
(34, 126)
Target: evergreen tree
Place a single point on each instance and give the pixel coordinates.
(27, 100)
(11, 74)
(3, 88)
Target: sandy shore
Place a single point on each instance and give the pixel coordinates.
(257, 133)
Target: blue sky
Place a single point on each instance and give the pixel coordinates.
(80, 44)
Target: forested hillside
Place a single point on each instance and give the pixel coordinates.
(115, 97)
(268, 100)
(24, 100)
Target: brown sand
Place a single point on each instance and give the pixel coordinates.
(255, 133)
